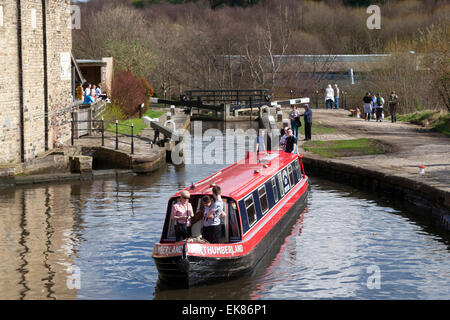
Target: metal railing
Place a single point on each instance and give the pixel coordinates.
(132, 134)
(101, 129)
(318, 100)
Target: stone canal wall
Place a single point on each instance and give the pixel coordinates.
(395, 173)
(77, 162)
(417, 196)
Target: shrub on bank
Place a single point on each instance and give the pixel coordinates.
(128, 92)
(437, 120)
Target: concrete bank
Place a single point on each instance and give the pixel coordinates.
(417, 196)
(394, 174)
(62, 177)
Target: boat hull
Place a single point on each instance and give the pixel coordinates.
(187, 270)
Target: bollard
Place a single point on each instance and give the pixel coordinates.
(103, 132)
(285, 123)
(71, 138)
(279, 116)
(132, 140)
(117, 134)
(422, 169)
(172, 110)
(169, 116)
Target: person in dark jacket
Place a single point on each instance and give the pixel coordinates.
(393, 102)
(291, 142)
(307, 116)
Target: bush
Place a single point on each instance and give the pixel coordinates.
(128, 92)
(113, 113)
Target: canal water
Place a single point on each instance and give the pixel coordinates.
(94, 240)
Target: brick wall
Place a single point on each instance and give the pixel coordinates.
(59, 40)
(9, 92)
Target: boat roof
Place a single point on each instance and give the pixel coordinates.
(240, 178)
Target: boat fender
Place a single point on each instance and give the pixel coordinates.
(183, 263)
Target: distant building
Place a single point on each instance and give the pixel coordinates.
(307, 70)
(35, 77)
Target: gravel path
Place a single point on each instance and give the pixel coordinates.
(411, 144)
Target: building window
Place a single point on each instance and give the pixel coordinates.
(251, 212)
(33, 19)
(274, 189)
(1, 16)
(263, 199)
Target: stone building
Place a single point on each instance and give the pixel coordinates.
(35, 77)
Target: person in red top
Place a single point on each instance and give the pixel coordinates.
(182, 213)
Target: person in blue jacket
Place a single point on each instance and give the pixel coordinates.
(307, 116)
(88, 99)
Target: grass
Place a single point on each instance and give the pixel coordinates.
(316, 127)
(138, 124)
(437, 120)
(345, 148)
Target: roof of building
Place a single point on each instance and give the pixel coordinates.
(324, 63)
(90, 62)
(240, 178)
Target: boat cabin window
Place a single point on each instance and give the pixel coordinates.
(297, 170)
(250, 209)
(233, 228)
(280, 184)
(291, 176)
(263, 199)
(274, 189)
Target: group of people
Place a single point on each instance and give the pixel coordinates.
(211, 212)
(332, 97)
(374, 106)
(289, 138)
(91, 93)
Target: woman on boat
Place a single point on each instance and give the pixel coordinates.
(213, 215)
(181, 214)
(204, 208)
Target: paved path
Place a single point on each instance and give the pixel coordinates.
(412, 146)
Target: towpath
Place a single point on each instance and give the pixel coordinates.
(411, 145)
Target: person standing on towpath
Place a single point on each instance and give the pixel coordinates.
(307, 116)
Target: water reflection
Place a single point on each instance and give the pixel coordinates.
(36, 243)
(106, 229)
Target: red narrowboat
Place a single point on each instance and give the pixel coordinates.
(262, 195)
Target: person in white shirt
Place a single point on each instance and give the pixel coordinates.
(93, 95)
(329, 97)
(87, 91)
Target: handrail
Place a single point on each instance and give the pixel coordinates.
(102, 129)
(132, 134)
